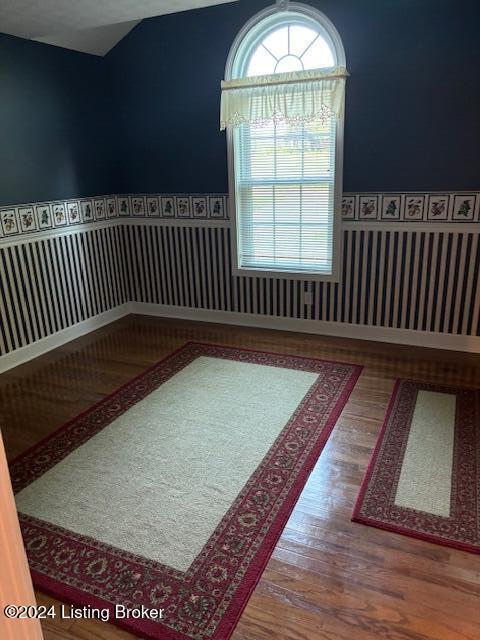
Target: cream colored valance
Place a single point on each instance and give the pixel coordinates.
(296, 97)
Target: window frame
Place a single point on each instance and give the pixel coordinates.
(249, 36)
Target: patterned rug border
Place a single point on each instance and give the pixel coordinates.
(357, 515)
(260, 555)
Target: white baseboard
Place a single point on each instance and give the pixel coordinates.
(469, 344)
(431, 339)
(24, 354)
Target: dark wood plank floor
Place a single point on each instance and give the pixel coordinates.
(328, 578)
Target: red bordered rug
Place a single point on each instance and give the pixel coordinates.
(376, 506)
(207, 600)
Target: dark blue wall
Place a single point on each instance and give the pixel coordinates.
(145, 118)
(57, 127)
(413, 98)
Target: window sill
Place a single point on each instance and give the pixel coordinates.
(247, 272)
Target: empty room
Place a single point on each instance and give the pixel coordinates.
(239, 320)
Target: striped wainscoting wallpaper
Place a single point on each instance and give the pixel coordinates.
(396, 274)
(50, 284)
(409, 279)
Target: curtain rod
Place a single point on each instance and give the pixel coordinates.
(229, 85)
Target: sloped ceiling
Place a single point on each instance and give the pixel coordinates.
(91, 26)
(96, 40)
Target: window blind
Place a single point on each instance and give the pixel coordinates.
(284, 193)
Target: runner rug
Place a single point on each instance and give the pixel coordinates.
(171, 493)
(424, 477)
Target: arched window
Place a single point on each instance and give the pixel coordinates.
(282, 106)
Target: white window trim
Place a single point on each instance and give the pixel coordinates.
(248, 34)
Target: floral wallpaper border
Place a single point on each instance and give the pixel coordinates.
(28, 218)
(456, 207)
(412, 207)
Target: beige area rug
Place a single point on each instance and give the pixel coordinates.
(173, 491)
(424, 476)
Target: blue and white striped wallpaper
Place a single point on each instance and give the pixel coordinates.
(396, 273)
(54, 283)
(407, 279)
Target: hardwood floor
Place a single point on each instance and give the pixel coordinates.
(328, 578)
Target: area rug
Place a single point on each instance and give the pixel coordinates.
(424, 477)
(171, 493)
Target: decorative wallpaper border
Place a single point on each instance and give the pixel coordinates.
(177, 206)
(412, 207)
(44, 216)
(16, 220)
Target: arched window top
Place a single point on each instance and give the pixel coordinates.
(280, 41)
(294, 47)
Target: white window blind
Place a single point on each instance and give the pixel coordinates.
(284, 184)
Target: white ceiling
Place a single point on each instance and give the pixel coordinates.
(91, 26)
(97, 40)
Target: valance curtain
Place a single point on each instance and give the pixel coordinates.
(293, 98)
